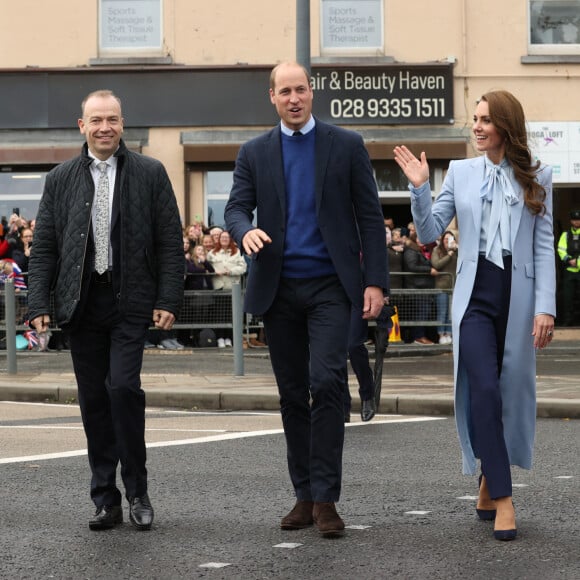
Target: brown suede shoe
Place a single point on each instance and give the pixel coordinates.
(329, 523)
(300, 516)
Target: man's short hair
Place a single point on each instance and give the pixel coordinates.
(99, 93)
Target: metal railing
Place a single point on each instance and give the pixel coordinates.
(223, 309)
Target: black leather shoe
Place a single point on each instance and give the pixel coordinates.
(368, 410)
(106, 517)
(141, 512)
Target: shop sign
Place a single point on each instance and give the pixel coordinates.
(557, 144)
(392, 95)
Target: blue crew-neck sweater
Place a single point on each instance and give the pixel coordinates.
(305, 254)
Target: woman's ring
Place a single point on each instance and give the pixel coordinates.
(550, 333)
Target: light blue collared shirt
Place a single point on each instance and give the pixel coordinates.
(310, 124)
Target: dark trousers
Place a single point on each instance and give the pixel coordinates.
(307, 332)
(107, 355)
(481, 348)
(570, 290)
(359, 358)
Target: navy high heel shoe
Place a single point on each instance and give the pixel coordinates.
(485, 515)
(505, 535)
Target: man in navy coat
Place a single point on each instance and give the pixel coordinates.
(313, 189)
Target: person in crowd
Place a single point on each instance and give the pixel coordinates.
(198, 308)
(7, 243)
(444, 260)
(227, 261)
(194, 232)
(306, 274)
(395, 249)
(569, 253)
(215, 233)
(422, 278)
(397, 242)
(504, 292)
(389, 223)
(22, 247)
(229, 265)
(199, 270)
(15, 225)
(9, 269)
(207, 243)
(108, 242)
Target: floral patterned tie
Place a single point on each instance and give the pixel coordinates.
(102, 221)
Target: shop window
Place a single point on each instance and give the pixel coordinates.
(351, 28)
(217, 192)
(554, 27)
(392, 183)
(20, 193)
(130, 27)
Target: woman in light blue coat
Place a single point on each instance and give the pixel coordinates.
(504, 299)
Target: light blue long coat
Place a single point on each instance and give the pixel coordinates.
(532, 292)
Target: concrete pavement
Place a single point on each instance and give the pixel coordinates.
(180, 386)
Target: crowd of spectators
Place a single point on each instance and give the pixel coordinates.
(430, 269)
(212, 261)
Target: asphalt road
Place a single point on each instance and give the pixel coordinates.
(219, 485)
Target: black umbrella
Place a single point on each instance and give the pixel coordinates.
(383, 327)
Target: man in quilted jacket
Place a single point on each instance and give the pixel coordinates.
(108, 246)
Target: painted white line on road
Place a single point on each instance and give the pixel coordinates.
(55, 427)
(467, 497)
(208, 439)
(215, 413)
(28, 458)
(64, 406)
(520, 485)
(214, 565)
(357, 527)
(389, 421)
(212, 438)
(288, 545)
(80, 428)
(564, 477)
(417, 513)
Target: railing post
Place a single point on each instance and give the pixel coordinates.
(10, 319)
(238, 329)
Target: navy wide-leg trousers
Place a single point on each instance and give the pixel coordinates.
(481, 348)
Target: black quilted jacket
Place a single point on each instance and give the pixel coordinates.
(148, 267)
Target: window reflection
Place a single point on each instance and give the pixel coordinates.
(20, 193)
(389, 176)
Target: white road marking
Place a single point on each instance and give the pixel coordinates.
(467, 497)
(288, 545)
(389, 421)
(80, 428)
(357, 527)
(520, 485)
(197, 440)
(214, 565)
(28, 458)
(564, 477)
(64, 406)
(417, 513)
